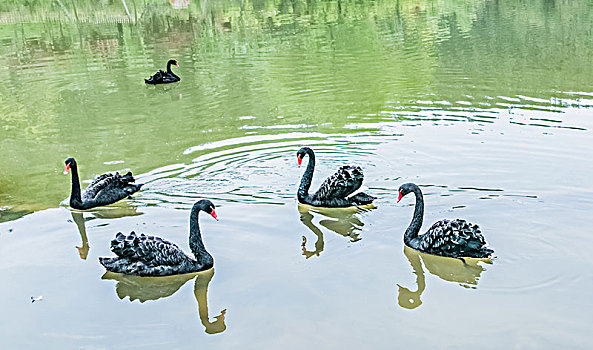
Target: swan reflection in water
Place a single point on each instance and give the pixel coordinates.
(466, 272)
(110, 212)
(153, 288)
(342, 221)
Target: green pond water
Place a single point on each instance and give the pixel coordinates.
(488, 105)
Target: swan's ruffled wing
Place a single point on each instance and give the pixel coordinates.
(149, 250)
(156, 78)
(343, 183)
(162, 77)
(114, 186)
(457, 238)
(101, 180)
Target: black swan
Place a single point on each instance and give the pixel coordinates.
(104, 190)
(161, 77)
(153, 256)
(453, 239)
(337, 191)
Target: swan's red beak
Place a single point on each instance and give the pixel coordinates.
(66, 169)
(177, 64)
(213, 213)
(399, 197)
(300, 160)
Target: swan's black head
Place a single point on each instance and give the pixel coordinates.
(172, 62)
(405, 189)
(206, 206)
(68, 163)
(302, 152)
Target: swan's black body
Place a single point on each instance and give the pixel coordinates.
(153, 256)
(336, 191)
(104, 190)
(449, 238)
(161, 77)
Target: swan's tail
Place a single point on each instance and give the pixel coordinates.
(486, 252)
(128, 184)
(156, 78)
(481, 253)
(133, 188)
(106, 262)
(362, 198)
(127, 178)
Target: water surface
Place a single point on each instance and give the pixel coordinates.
(485, 104)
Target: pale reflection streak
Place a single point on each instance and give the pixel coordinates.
(83, 250)
(466, 273)
(102, 213)
(343, 221)
(153, 288)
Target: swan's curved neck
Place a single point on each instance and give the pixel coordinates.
(169, 68)
(414, 228)
(307, 176)
(75, 192)
(195, 239)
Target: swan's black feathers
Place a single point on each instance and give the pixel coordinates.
(148, 250)
(100, 180)
(145, 255)
(454, 238)
(109, 188)
(157, 78)
(343, 183)
(162, 77)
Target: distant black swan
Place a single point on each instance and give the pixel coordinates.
(453, 239)
(161, 77)
(153, 256)
(104, 190)
(337, 190)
